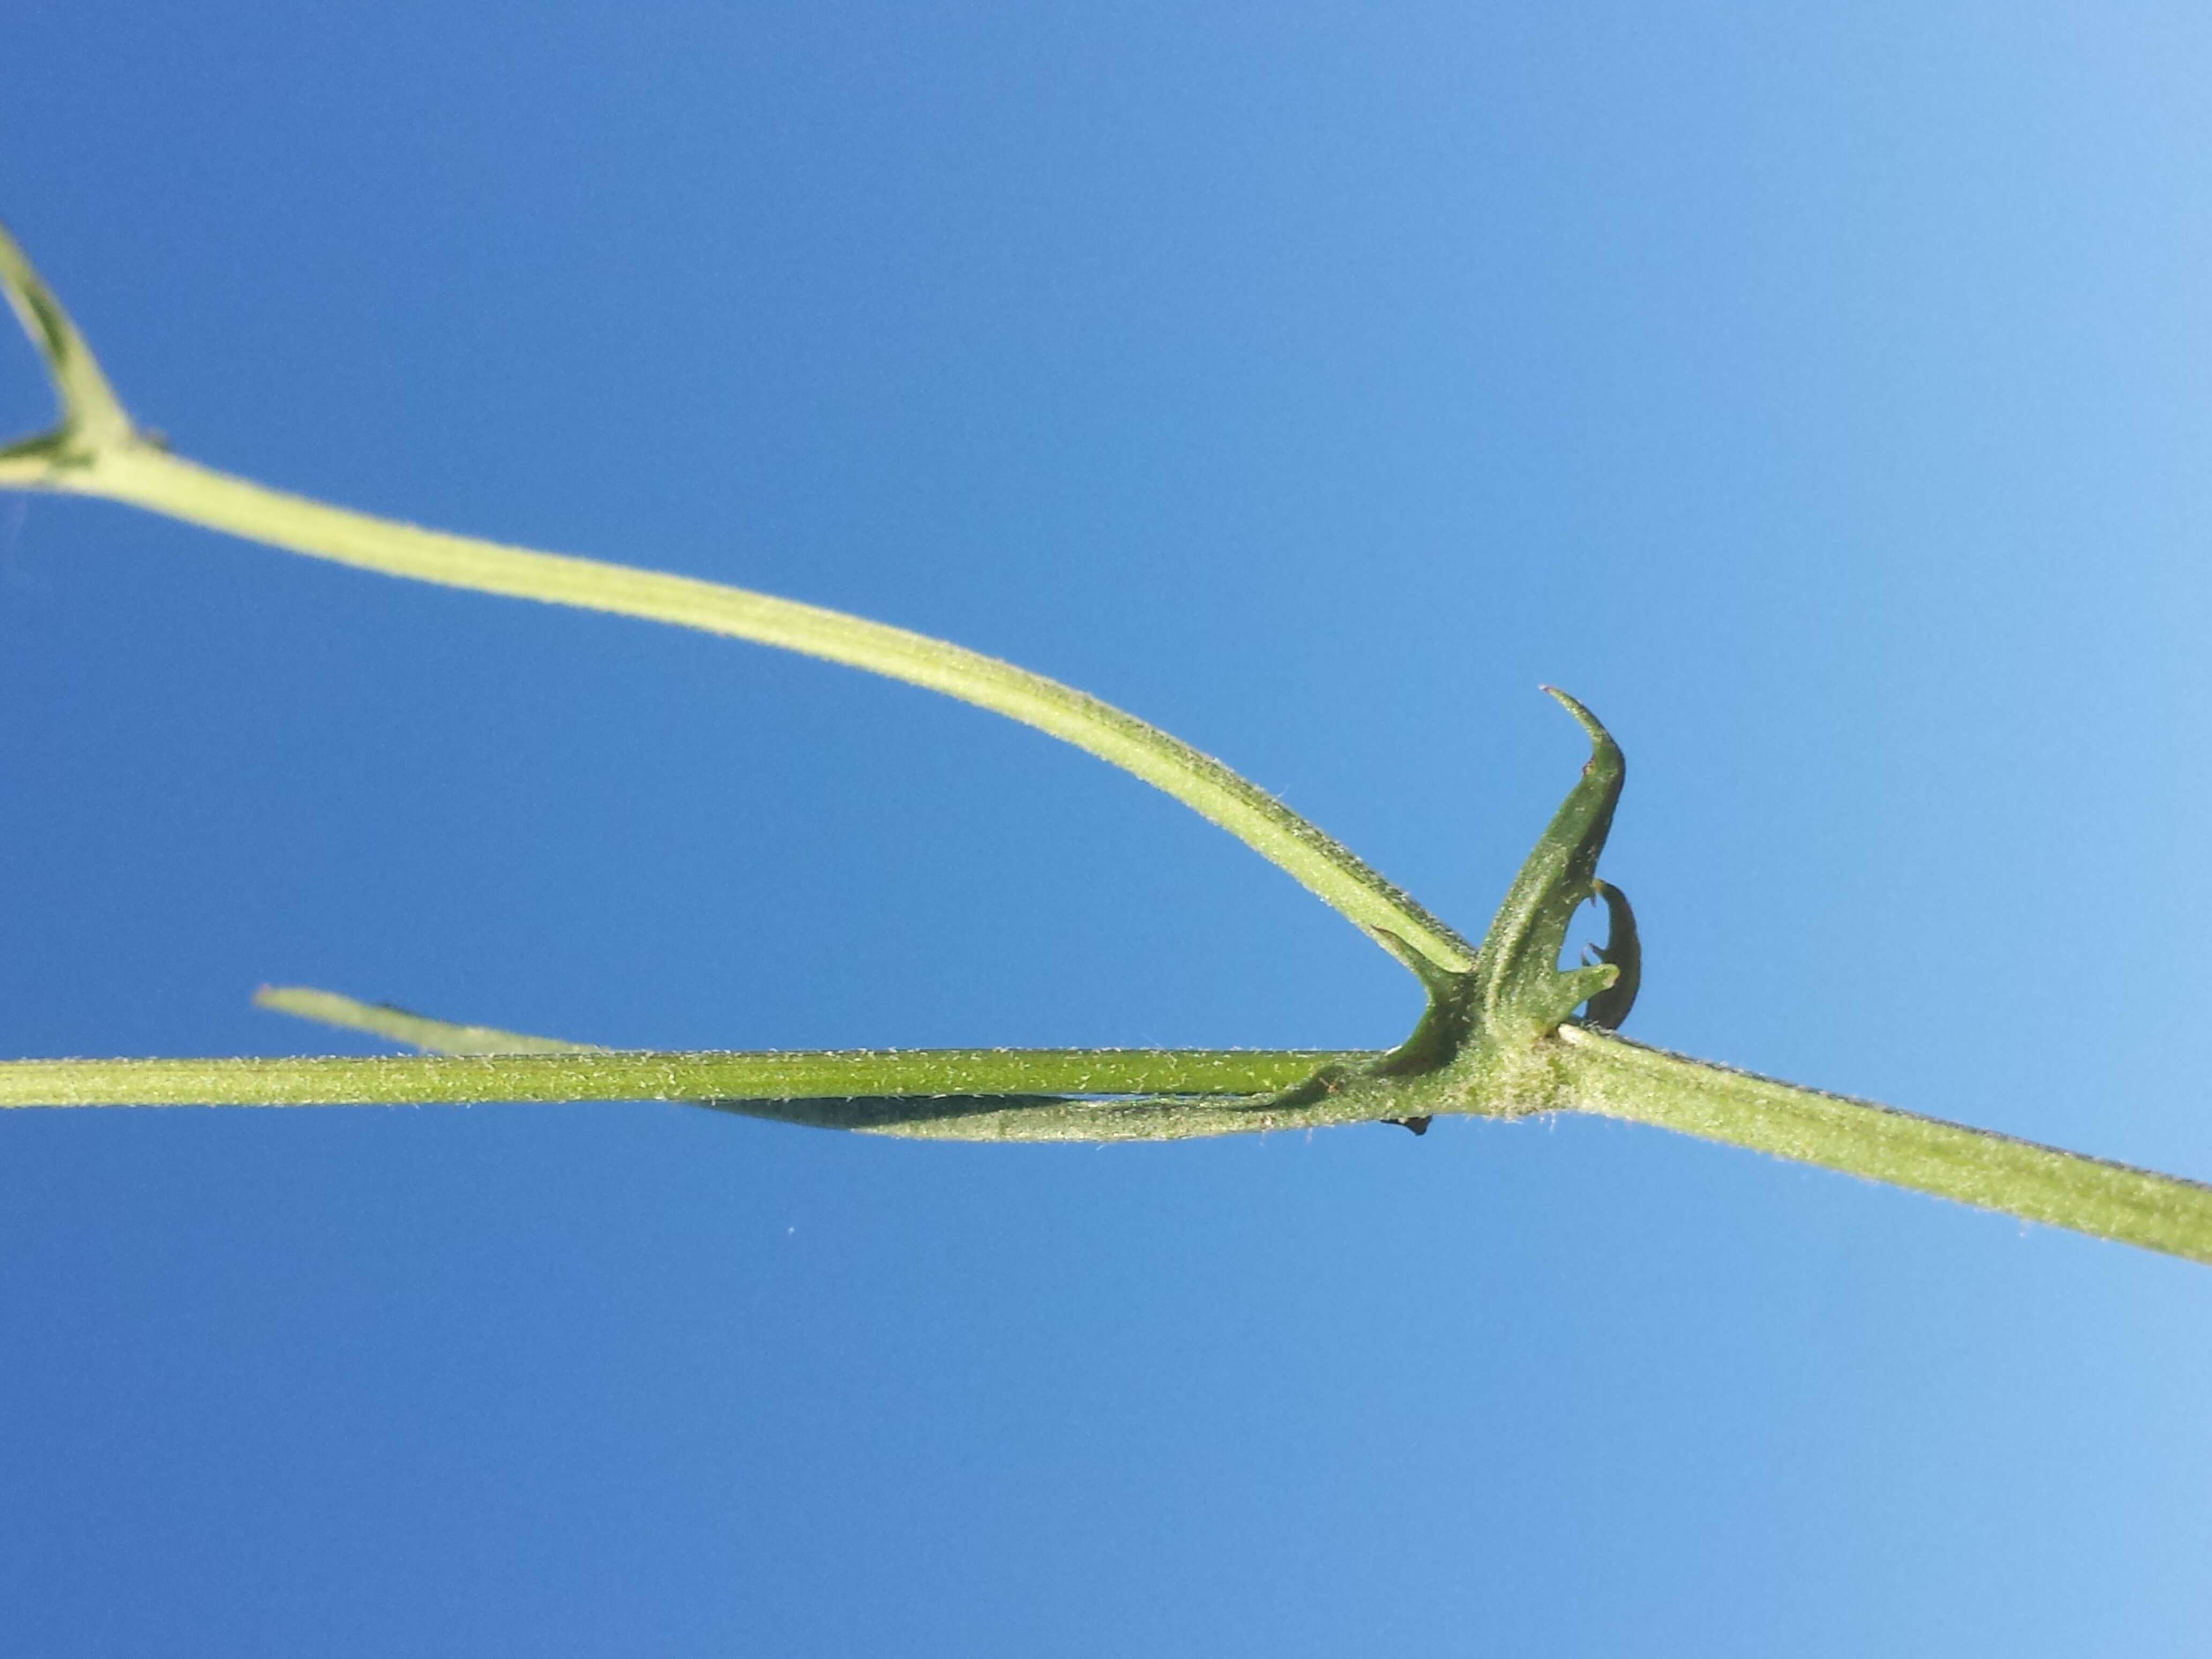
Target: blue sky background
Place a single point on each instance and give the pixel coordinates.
(1821, 393)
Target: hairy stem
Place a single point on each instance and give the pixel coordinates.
(162, 482)
(96, 452)
(125, 469)
(1612, 1076)
(990, 1094)
(648, 1074)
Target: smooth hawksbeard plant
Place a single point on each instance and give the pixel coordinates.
(1507, 1032)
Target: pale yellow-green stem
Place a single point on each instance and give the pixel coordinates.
(141, 475)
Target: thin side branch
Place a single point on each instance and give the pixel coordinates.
(103, 458)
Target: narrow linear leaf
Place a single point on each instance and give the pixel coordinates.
(436, 1036)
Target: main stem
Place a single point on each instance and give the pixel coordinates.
(1053, 1094)
(958, 1094)
(1611, 1076)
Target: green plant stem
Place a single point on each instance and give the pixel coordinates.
(143, 476)
(1492, 1042)
(97, 451)
(1023, 1094)
(971, 1093)
(1607, 1074)
(649, 1074)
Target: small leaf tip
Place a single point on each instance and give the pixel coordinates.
(1601, 740)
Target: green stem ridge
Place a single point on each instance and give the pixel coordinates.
(1499, 1036)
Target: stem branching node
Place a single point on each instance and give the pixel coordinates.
(1480, 1047)
(1499, 1036)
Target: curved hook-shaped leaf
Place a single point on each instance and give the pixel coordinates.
(1610, 1006)
(1519, 965)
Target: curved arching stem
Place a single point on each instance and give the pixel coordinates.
(94, 451)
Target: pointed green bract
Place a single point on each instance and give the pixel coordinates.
(1518, 963)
